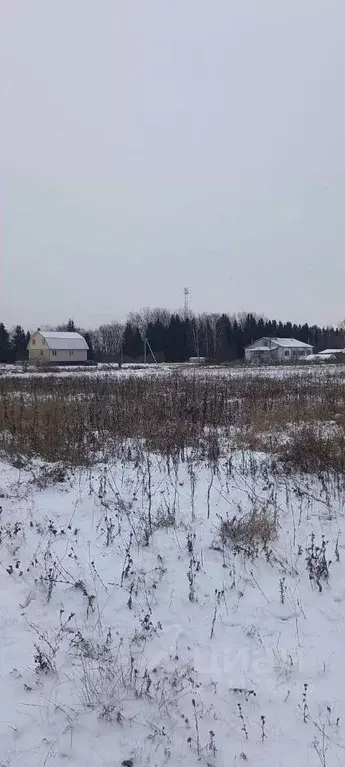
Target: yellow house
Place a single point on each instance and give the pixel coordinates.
(54, 346)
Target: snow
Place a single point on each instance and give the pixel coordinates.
(272, 342)
(259, 649)
(319, 357)
(261, 349)
(290, 342)
(63, 340)
(280, 371)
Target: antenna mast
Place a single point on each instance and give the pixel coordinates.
(186, 302)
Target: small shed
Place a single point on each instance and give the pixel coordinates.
(197, 360)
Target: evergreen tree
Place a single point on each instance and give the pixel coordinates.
(18, 343)
(66, 327)
(5, 347)
(133, 345)
(90, 354)
(176, 340)
(156, 336)
(209, 351)
(223, 353)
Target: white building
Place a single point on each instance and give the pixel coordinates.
(276, 350)
(60, 347)
(332, 353)
(327, 355)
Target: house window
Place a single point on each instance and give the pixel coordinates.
(33, 342)
(41, 353)
(54, 353)
(287, 353)
(71, 353)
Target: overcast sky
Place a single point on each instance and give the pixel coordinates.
(152, 144)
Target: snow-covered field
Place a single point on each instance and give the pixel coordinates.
(133, 633)
(166, 369)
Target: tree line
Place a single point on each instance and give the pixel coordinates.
(13, 344)
(175, 337)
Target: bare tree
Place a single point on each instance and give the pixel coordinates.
(107, 341)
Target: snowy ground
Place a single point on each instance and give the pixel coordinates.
(164, 369)
(122, 647)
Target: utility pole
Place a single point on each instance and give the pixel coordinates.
(147, 344)
(150, 349)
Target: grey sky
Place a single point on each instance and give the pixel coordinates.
(152, 144)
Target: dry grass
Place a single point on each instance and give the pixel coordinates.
(311, 451)
(246, 533)
(76, 418)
